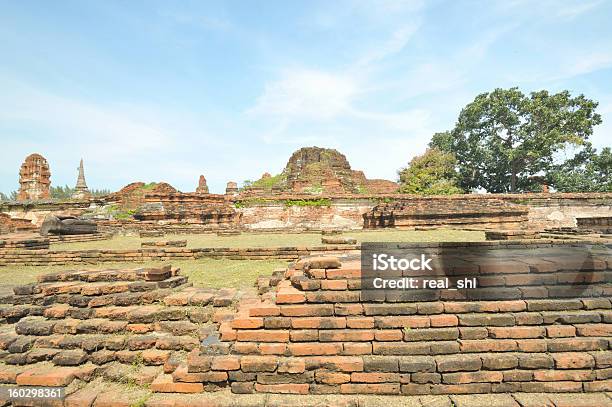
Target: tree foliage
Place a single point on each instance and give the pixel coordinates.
(432, 173)
(504, 137)
(587, 171)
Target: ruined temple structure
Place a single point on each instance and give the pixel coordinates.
(34, 179)
(324, 170)
(202, 187)
(80, 190)
(231, 188)
(450, 212)
(209, 210)
(132, 195)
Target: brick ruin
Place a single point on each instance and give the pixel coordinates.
(34, 179)
(315, 170)
(447, 212)
(541, 324)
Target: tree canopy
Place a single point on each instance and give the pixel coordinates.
(432, 173)
(504, 138)
(587, 171)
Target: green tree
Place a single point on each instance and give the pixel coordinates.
(587, 171)
(432, 173)
(61, 192)
(504, 137)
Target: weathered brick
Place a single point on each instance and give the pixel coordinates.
(535, 361)
(285, 388)
(472, 377)
(225, 363)
(415, 364)
(573, 360)
(458, 363)
(318, 323)
(314, 348)
(309, 310)
(258, 363)
(517, 332)
(375, 377)
(56, 377)
(370, 388)
(263, 336)
(381, 364)
(329, 377)
(346, 335)
(560, 331)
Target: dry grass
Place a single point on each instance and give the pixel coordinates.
(279, 240)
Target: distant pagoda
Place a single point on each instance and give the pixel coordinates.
(80, 190)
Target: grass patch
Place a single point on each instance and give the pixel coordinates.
(247, 240)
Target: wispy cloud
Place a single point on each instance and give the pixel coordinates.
(306, 93)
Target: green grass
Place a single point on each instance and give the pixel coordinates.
(246, 240)
(208, 273)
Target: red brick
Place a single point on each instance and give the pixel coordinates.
(318, 323)
(357, 348)
(56, 377)
(472, 377)
(81, 398)
(291, 365)
(594, 330)
(443, 320)
(289, 295)
(334, 284)
(360, 322)
(164, 384)
(272, 348)
(247, 323)
(155, 356)
(285, 388)
(264, 310)
(343, 273)
(339, 363)
(258, 363)
(327, 377)
(402, 322)
(307, 310)
(346, 335)
(532, 345)
(573, 360)
(225, 363)
(388, 335)
(563, 375)
(351, 388)
(315, 348)
(263, 336)
(560, 331)
(516, 332)
(488, 345)
(375, 377)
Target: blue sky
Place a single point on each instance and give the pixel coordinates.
(166, 91)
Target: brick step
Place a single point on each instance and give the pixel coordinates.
(111, 275)
(152, 349)
(447, 374)
(139, 316)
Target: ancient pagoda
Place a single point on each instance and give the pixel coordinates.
(80, 190)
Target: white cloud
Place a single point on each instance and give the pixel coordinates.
(309, 94)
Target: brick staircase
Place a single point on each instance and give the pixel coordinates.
(124, 325)
(312, 334)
